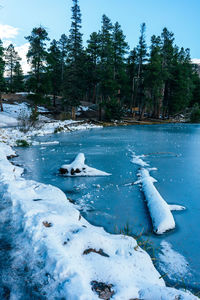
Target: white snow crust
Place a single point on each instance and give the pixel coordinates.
(83, 169)
(60, 236)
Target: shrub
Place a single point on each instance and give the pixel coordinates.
(26, 120)
(22, 143)
(58, 129)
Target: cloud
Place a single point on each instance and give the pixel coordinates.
(22, 51)
(196, 61)
(8, 32)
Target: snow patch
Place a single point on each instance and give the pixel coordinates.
(166, 293)
(137, 159)
(50, 143)
(176, 207)
(171, 262)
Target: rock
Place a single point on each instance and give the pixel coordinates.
(46, 224)
(71, 200)
(63, 171)
(12, 156)
(76, 171)
(103, 290)
(100, 251)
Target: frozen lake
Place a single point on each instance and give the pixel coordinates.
(110, 202)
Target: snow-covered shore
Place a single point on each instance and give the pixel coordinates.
(75, 253)
(11, 117)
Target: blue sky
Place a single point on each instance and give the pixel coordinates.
(179, 16)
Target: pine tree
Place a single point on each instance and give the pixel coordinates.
(93, 71)
(11, 58)
(181, 81)
(141, 58)
(18, 78)
(63, 45)
(75, 37)
(167, 39)
(132, 73)
(154, 76)
(196, 89)
(2, 68)
(106, 59)
(120, 49)
(54, 69)
(74, 73)
(37, 55)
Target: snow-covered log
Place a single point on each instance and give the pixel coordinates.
(79, 168)
(159, 210)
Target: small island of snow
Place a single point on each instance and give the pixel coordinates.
(79, 168)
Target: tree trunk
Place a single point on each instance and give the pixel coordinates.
(142, 113)
(1, 104)
(100, 111)
(73, 113)
(119, 96)
(94, 94)
(54, 100)
(160, 101)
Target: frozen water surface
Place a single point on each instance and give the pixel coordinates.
(113, 201)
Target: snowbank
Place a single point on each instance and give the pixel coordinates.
(6, 120)
(159, 210)
(75, 253)
(79, 168)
